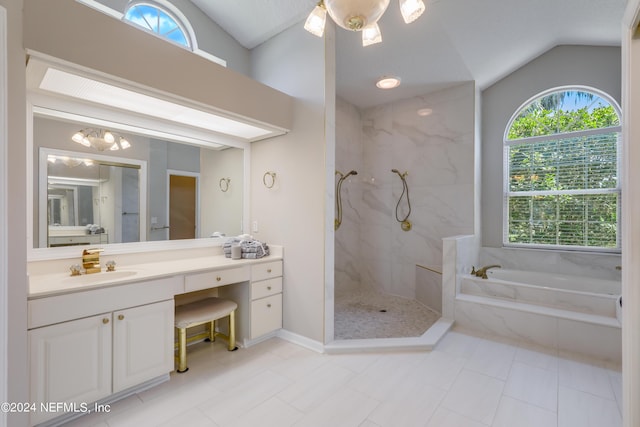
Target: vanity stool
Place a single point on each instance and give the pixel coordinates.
(205, 311)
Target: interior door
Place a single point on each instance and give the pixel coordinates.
(182, 207)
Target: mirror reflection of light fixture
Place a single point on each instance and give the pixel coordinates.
(359, 15)
(71, 162)
(101, 139)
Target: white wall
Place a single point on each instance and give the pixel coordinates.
(292, 213)
(437, 152)
(17, 360)
(593, 66)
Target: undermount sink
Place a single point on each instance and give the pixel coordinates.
(103, 276)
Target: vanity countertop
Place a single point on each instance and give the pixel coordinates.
(57, 283)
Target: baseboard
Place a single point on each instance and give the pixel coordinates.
(300, 340)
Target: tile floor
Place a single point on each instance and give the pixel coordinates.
(465, 382)
(369, 314)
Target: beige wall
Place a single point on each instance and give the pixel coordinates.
(159, 65)
(292, 213)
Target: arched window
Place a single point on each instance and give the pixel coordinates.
(561, 181)
(152, 17)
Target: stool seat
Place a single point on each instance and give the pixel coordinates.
(203, 311)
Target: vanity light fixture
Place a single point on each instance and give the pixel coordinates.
(388, 82)
(101, 139)
(359, 15)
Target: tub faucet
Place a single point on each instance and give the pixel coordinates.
(482, 272)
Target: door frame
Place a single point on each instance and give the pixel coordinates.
(195, 175)
(4, 203)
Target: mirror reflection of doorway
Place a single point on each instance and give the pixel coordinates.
(183, 205)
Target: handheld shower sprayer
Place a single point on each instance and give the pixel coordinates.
(338, 219)
(404, 222)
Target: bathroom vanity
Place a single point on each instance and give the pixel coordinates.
(99, 337)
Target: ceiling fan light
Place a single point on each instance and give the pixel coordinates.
(85, 141)
(78, 137)
(371, 35)
(355, 15)
(108, 136)
(411, 10)
(316, 20)
(124, 144)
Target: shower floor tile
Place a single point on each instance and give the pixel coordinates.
(362, 315)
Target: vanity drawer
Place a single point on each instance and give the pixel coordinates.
(264, 288)
(266, 270)
(266, 315)
(213, 279)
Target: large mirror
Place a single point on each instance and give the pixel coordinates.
(155, 189)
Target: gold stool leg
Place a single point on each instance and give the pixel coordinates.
(232, 331)
(182, 350)
(212, 330)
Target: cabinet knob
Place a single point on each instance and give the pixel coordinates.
(120, 316)
(268, 288)
(268, 305)
(218, 278)
(105, 320)
(268, 270)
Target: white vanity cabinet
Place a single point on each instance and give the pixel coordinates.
(142, 344)
(70, 362)
(260, 302)
(76, 359)
(266, 298)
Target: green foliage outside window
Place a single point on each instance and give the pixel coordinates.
(563, 190)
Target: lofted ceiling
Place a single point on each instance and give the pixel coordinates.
(454, 41)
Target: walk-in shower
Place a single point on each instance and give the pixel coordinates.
(377, 262)
(367, 310)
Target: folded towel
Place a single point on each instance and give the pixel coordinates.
(250, 248)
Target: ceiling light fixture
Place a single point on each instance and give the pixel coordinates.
(388, 82)
(424, 112)
(359, 15)
(101, 139)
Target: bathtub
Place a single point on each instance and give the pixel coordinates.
(567, 313)
(578, 294)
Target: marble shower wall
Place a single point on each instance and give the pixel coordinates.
(437, 151)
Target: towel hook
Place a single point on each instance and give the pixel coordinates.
(224, 184)
(269, 182)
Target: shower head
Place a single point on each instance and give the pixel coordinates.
(394, 170)
(352, 173)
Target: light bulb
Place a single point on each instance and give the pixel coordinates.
(316, 20)
(124, 143)
(77, 137)
(411, 10)
(85, 141)
(108, 136)
(371, 35)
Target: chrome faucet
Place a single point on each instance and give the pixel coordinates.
(482, 272)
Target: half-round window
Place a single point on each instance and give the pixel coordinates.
(160, 21)
(562, 186)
